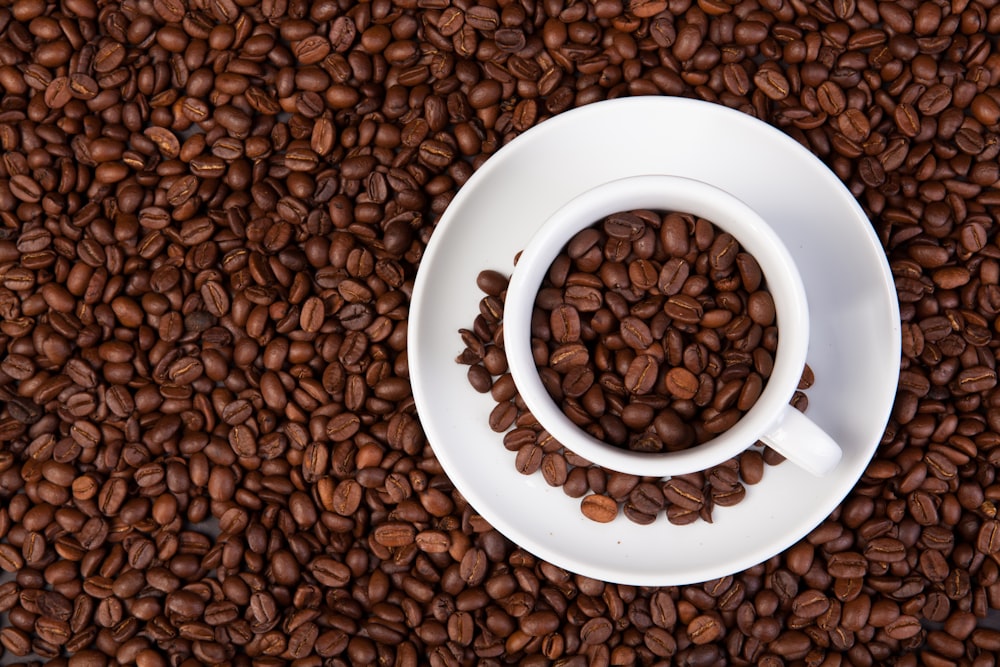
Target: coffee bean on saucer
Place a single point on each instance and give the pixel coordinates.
(600, 508)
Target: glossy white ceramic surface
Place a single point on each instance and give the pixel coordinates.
(854, 320)
(770, 418)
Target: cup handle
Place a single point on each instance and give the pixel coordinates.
(802, 442)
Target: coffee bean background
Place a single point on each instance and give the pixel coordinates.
(211, 214)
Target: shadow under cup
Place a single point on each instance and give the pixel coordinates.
(770, 419)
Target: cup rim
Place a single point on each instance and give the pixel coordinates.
(659, 192)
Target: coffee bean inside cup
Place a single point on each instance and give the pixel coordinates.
(653, 331)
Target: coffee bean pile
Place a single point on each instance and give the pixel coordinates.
(211, 214)
(640, 319)
(653, 332)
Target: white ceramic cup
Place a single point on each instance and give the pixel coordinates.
(771, 420)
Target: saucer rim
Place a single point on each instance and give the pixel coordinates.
(424, 385)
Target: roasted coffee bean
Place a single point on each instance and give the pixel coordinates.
(681, 383)
(330, 572)
(600, 508)
(705, 628)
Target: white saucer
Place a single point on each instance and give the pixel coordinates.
(854, 319)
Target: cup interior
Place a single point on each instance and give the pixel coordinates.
(674, 193)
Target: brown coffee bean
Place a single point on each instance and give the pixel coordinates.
(596, 631)
(528, 459)
(847, 565)
(566, 357)
(502, 417)
(347, 497)
(760, 308)
(673, 276)
(885, 549)
(564, 323)
(683, 494)
(704, 629)
(584, 298)
(722, 422)
(683, 308)
(330, 572)
(641, 374)
(10, 558)
(625, 225)
(636, 333)
(903, 627)
(600, 508)
(16, 641)
(975, 379)
(25, 188)
(773, 83)
(681, 383)
(491, 282)
(907, 120)
(343, 426)
(312, 315)
(988, 537)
